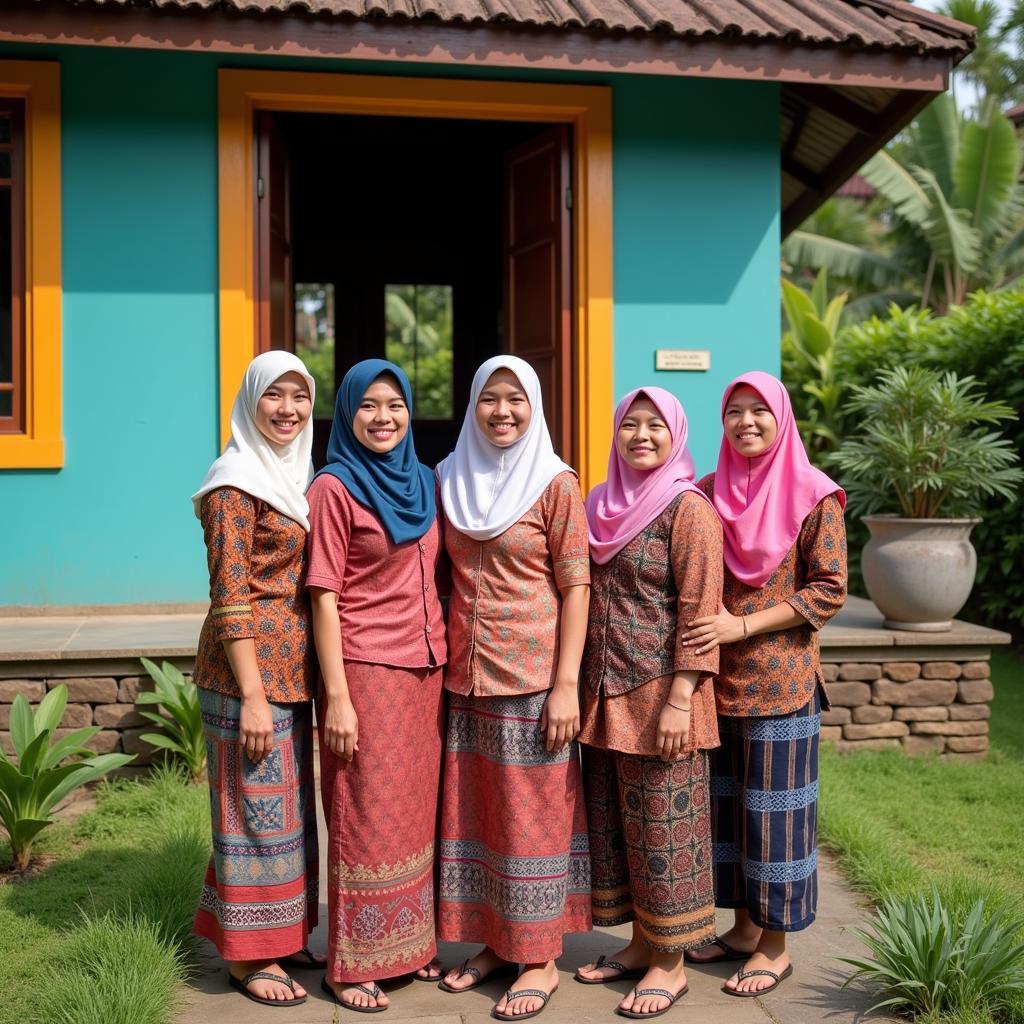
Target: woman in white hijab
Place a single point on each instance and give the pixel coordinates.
(254, 670)
(515, 867)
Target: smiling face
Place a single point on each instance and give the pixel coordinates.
(748, 423)
(503, 411)
(382, 419)
(284, 408)
(643, 438)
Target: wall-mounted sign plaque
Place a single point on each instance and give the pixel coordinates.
(682, 359)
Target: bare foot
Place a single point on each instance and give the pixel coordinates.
(656, 977)
(632, 957)
(485, 962)
(264, 988)
(539, 976)
(759, 961)
(431, 971)
(366, 994)
(742, 938)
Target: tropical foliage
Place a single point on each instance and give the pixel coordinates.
(43, 771)
(181, 722)
(418, 337)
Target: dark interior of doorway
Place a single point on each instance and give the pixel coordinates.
(406, 211)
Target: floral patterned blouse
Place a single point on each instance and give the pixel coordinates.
(504, 611)
(777, 673)
(257, 561)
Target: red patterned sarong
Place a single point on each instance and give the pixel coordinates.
(515, 866)
(381, 811)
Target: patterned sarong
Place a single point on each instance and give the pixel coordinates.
(259, 898)
(515, 867)
(650, 843)
(764, 801)
(381, 811)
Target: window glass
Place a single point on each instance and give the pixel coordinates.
(418, 333)
(314, 341)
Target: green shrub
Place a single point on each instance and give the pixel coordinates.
(926, 962)
(45, 772)
(182, 721)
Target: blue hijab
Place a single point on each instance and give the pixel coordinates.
(395, 485)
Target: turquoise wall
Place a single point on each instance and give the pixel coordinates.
(696, 265)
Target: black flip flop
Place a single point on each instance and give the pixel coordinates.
(743, 975)
(433, 981)
(615, 965)
(303, 960)
(242, 985)
(373, 993)
(476, 974)
(537, 993)
(664, 992)
(728, 953)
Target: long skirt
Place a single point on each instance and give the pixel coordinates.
(515, 864)
(764, 801)
(650, 846)
(381, 810)
(259, 898)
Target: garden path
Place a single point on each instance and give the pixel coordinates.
(812, 994)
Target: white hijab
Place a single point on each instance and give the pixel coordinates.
(485, 489)
(276, 474)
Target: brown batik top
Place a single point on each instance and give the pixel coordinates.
(777, 673)
(641, 600)
(257, 562)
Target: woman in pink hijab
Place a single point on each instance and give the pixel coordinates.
(785, 577)
(648, 705)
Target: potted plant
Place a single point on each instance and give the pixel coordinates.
(919, 467)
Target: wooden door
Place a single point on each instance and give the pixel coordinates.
(538, 292)
(275, 299)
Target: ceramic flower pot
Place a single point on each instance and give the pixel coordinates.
(919, 572)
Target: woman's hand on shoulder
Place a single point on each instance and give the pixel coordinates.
(710, 631)
(560, 719)
(341, 728)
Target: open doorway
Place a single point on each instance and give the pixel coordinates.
(435, 243)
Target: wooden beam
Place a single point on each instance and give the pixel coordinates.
(804, 175)
(897, 115)
(504, 46)
(839, 106)
(793, 138)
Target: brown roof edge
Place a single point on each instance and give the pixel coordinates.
(922, 16)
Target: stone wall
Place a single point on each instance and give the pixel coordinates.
(104, 701)
(920, 707)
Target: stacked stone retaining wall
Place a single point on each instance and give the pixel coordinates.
(939, 707)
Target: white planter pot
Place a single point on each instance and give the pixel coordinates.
(919, 572)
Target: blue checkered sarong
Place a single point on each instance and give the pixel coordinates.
(764, 800)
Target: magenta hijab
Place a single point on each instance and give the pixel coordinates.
(763, 501)
(631, 499)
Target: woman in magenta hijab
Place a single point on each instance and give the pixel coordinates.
(648, 705)
(785, 577)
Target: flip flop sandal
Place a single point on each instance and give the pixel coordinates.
(743, 975)
(242, 985)
(475, 973)
(434, 965)
(663, 992)
(622, 971)
(304, 960)
(373, 992)
(537, 993)
(728, 953)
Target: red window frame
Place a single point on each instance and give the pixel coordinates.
(13, 111)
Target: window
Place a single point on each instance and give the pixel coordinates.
(314, 341)
(12, 249)
(418, 336)
(30, 266)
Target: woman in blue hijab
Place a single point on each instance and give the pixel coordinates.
(374, 544)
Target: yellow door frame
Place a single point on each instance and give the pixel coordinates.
(586, 108)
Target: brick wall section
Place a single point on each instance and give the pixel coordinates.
(104, 701)
(920, 707)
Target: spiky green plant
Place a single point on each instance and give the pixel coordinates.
(44, 773)
(182, 721)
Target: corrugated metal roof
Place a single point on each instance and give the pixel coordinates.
(856, 24)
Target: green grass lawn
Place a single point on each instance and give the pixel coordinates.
(900, 825)
(103, 934)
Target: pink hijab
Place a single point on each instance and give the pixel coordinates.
(763, 501)
(631, 499)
